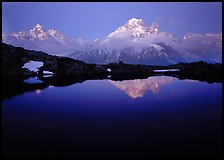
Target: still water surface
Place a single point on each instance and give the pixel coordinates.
(160, 116)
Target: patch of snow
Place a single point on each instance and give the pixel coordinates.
(157, 47)
(108, 69)
(165, 54)
(47, 72)
(33, 65)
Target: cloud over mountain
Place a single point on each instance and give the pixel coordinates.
(134, 42)
(51, 41)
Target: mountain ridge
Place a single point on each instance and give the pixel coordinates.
(135, 34)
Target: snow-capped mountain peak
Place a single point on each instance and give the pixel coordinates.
(137, 28)
(134, 42)
(38, 32)
(37, 27)
(55, 34)
(134, 22)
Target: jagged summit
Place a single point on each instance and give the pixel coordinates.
(137, 28)
(136, 22)
(154, 28)
(38, 26)
(133, 42)
(38, 33)
(55, 34)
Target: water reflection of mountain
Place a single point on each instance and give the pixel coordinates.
(134, 86)
(137, 88)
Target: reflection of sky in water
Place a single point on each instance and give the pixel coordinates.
(33, 80)
(101, 93)
(183, 116)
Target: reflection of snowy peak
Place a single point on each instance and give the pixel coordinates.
(137, 28)
(137, 88)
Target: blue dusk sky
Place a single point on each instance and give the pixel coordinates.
(91, 20)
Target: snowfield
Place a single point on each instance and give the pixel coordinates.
(33, 65)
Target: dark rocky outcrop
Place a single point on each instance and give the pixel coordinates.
(13, 59)
(201, 71)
